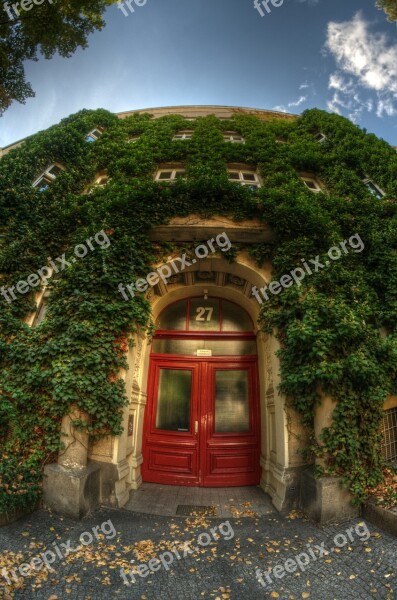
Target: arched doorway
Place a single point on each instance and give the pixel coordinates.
(202, 420)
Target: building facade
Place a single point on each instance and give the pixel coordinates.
(204, 400)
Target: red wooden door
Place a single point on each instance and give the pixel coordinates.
(202, 422)
(231, 425)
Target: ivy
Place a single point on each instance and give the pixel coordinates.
(337, 330)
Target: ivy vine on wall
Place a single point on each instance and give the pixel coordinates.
(337, 331)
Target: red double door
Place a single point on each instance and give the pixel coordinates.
(202, 423)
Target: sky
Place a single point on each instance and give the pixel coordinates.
(336, 55)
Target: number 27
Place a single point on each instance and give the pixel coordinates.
(201, 310)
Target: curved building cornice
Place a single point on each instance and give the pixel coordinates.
(189, 112)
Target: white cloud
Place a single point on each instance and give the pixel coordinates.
(298, 102)
(280, 108)
(367, 64)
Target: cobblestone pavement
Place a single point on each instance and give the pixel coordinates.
(225, 569)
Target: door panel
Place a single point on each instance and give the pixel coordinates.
(171, 443)
(202, 422)
(231, 445)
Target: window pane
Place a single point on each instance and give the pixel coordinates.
(173, 406)
(179, 174)
(174, 317)
(234, 318)
(217, 347)
(373, 189)
(43, 184)
(249, 177)
(204, 315)
(311, 184)
(165, 175)
(389, 442)
(231, 402)
(54, 171)
(234, 176)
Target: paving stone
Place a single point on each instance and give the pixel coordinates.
(224, 569)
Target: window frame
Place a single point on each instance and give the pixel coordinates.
(306, 178)
(173, 170)
(184, 134)
(93, 135)
(241, 171)
(391, 439)
(367, 181)
(320, 137)
(47, 176)
(231, 137)
(99, 178)
(193, 333)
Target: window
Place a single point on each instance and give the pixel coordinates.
(94, 135)
(320, 137)
(312, 184)
(48, 177)
(244, 177)
(389, 430)
(199, 314)
(183, 135)
(133, 139)
(233, 137)
(41, 310)
(102, 180)
(373, 188)
(170, 174)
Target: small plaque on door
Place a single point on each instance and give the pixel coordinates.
(204, 352)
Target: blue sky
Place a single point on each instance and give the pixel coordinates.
(337, 55)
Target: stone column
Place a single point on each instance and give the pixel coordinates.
(72, 485)
(75, 453)
(323, 416)
(324, 499)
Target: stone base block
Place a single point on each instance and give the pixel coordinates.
(381, 517)
(72, 492)
(325, 500)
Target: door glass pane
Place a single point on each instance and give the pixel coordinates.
(174, 317)
(173, 406)
(234, 318)
(217, 347)
(204, 315)
(231, 402)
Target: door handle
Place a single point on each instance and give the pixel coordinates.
(196, 427)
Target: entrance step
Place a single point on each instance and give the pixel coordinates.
(173, 501)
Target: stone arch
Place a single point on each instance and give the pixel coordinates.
(232, 281)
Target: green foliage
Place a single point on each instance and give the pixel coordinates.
(61, 26)
(390, 8)
(329, 328)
